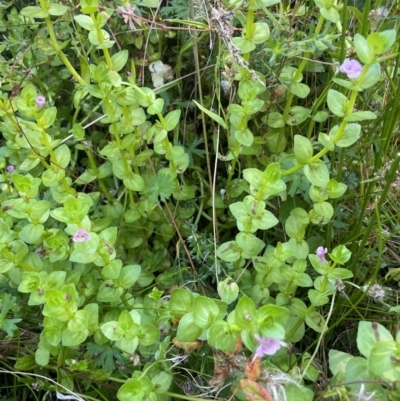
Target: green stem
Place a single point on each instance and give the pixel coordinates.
(101, 39)
(96, 173)
(249, 27)
(339, 133)
(59, 52)
(63, 181)
(11, 258)
(295, 79)
(310, 309)
(127, 169)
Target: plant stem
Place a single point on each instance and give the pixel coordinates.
(59, 52)
(101, 39)
(96, 173)
(294, 80)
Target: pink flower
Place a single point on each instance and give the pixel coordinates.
(352, 68)
(81, 236)
(321, 251)
(10, 168)
(267, 345)
(128, 15)
(40, 101)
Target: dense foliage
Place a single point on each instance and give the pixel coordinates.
(198, 200)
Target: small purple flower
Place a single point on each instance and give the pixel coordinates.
(10, 168)
(81, 236)
(40, 101)
(321, 251)
(352, 68)
(267, 345)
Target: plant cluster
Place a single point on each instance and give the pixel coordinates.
(147, 243)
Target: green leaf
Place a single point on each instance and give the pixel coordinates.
(372, 76)
(79, 322)
(78, 132)
(381, 42)
(245, 313)
(160, 186)
(228, 251)
(112, 330)
(335, 189)
(324, 209)
(89, 6)
(205, 312)
(244, 45)
(181, 302)
(221, 336)
(187, 329)
(251, 107)
(148, 334)
(383, 360)
(111, 271)
(31, 233)
(338, 272)
(297, 115)
(129, 275)
(249, 88)
(360, 116)
(357, 372)
(228, 290)
(338, 361)
(134, 182)
(317, 299)
(47, 118)
(119, 60)
(171, 120)
(271, 315)
(315, 321)
(275, 120)
(42, 357)
(326, 141)
(340, 254)
(145, 97)
(62, 155)
(368, 335)
(25, 363)
(250, 244)
(5, 232)
(161, 382)
(157, 107)
(212, 115)
(151, 3)
(34, 12)
(114, 78)
(300, 90)
(317, 173)
(350, 135)
(337, 102)
(244, 137)
(52, 176)
(303, 149)
(321, 116)
(330, 14)
(260, 32)
(57, 9)
(108, 292)
(363, 50)
(136, 389)
(85, 22)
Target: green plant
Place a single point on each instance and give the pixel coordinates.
(120, 236)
